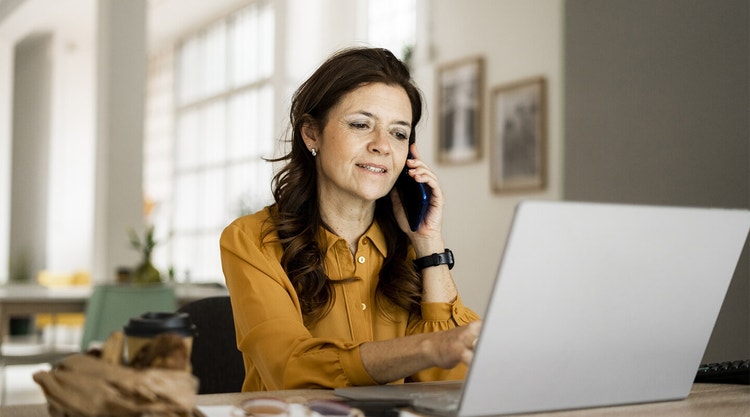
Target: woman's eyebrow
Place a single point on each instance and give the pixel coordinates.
(398, 122)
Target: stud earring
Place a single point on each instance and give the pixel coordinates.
(313, 152)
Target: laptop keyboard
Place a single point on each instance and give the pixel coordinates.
(429, 401)
(729, 372)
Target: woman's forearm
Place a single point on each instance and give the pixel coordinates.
(438, 285)
(391, 360)
(394, 359)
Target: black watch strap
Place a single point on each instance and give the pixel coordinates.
(445, 258)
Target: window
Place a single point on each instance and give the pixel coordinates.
(391, 24)
(210, 123)
(207, 168)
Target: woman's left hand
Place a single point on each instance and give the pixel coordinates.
(430, 227)
(437, 283)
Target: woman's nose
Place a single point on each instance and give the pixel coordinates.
(381, 141)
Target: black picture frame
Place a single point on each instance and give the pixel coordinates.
(519, 136)
(460, 94)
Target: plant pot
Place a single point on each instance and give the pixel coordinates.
(145, 273)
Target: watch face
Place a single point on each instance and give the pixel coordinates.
(449, 255)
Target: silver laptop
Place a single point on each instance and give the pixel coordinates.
(593, 305)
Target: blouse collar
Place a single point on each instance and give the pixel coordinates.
(373, 233)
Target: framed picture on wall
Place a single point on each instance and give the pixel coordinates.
(459, 91)
(518, 136)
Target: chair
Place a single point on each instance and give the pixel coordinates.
(111, 306)
(215, 359)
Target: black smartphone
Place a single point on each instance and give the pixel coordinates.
(415, 197)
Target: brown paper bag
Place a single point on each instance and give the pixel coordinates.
(85, 386)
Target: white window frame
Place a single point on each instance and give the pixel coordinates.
(209, 169)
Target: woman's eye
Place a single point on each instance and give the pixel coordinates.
(400, 135)
(359, 125)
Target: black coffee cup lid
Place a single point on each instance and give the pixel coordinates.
(152, 324)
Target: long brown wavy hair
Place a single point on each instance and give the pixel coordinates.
(296, 214)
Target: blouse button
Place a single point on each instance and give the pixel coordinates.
(364, 306)
(361, 259)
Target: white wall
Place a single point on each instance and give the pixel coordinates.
(69, 227)
(71, 191)
(517, 39)
(31, 134)
(120, 100)
(6, 152)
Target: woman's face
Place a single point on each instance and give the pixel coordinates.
(363, 145)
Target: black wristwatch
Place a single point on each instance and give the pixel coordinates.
(445, 258)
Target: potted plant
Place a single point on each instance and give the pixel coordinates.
(145, 272)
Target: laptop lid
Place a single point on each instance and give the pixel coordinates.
(602, 304)
(599, 304)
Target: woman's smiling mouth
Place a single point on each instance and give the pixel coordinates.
(377, 170)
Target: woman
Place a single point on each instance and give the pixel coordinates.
(324, 287)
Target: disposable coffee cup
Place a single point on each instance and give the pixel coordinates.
(140, 330)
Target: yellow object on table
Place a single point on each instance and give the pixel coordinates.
(61, 280)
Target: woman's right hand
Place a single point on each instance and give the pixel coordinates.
(456, 345)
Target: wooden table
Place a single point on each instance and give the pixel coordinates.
(705, 400)
(30, 299)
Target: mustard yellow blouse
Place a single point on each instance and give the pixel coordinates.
(279, 351)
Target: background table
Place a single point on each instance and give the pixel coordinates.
(31, 299)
